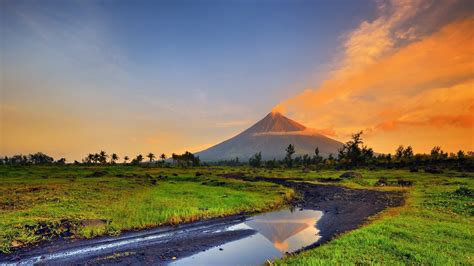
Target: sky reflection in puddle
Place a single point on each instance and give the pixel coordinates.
(277, 232)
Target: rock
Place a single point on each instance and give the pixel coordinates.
(350, 175)
(16, 243)
(433, 170)
(98, 174)
(404, 183)
(382, 182)
(199, 174)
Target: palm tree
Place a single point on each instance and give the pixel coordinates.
(96, 157)
(103, 157)
(125, 159)
(163, 157)
(151, 156)
(90, 158)
(139, 158)
(113, 158)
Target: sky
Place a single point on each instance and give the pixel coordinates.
(135, 77)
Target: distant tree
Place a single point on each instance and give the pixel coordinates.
(256, 160)
(163, 157)
(61, 161)
(353, 153)
(290, 150)
(113, 158)
(438, 154)
(103, 157)
(137, 159)
(317, 158)
(306, 160)
(151, 157)
(125, 159)
(408, 153)
(271, 163)
(96, 158)
(37, 158)
(186, 159)
(88, 159)
(399, 152)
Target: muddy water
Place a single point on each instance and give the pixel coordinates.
(276, 233)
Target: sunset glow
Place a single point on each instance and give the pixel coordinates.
(78, 78)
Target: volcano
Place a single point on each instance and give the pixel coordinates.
(271, 136)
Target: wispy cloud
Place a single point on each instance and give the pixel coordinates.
(397, 75)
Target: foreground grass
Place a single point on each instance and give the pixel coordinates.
(38, 203)
(435, 227)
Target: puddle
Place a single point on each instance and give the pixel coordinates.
(275, 234)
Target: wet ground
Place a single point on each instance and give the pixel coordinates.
(276, 233)
(333, 209)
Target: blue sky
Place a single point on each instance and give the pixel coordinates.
(135, 76)
(211, 67)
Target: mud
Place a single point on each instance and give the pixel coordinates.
(344, 210)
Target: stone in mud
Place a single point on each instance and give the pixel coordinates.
(382, 182)
(16, 244)
(404, 183)
(351, 175)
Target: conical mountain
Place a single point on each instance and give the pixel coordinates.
(271, 136)
(275, 122)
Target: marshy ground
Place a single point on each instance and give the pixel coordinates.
(38, 204)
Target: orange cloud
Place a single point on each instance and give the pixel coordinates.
(426, 85)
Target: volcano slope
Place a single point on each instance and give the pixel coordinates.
(271, 136)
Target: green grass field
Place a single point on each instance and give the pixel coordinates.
(37, 203)
(434, 227)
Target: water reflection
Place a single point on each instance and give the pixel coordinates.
(276, 233)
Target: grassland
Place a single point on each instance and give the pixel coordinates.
(434, 227)
(39, 203)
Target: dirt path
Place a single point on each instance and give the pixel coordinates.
(344, 209)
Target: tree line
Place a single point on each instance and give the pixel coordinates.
(103, 158)
(354, 154)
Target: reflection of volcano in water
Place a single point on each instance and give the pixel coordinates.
(280, 227)
(276, 233)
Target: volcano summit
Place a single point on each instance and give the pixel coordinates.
(271, 136)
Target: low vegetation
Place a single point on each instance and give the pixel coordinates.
(43, 202)
(434, 227)
(99, 196)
